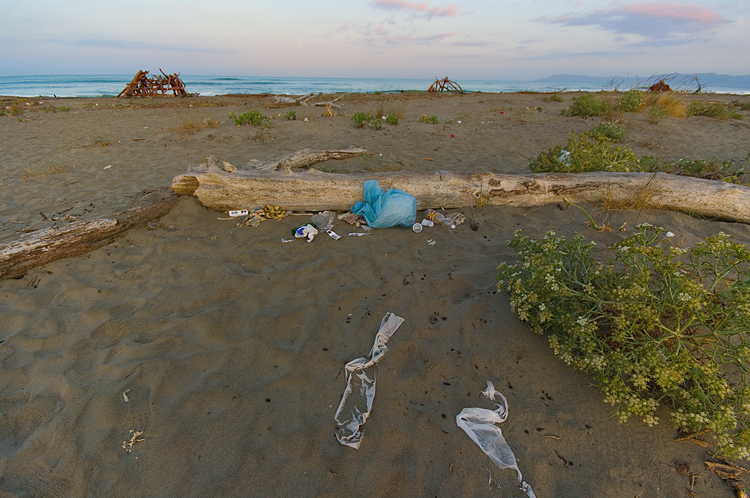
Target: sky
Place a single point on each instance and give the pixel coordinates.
(459, 39)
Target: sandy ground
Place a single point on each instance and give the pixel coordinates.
(231, 345)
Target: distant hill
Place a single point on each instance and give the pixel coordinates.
(677, 79)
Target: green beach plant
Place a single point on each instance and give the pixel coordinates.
(631, 101)
(583, 153)
(253, 117)
(655, 324)
(712, 110)
(429, 119)
(656, 113)
(608, 130)
(291, 116)
(587, 105)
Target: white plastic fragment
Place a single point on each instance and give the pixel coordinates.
(356, 402)
(238, 212)
(479, 425)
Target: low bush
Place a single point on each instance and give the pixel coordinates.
(631, 101)
(253, 117)
(611, 131)
(712, 110)
(588, 105)
(655, 324)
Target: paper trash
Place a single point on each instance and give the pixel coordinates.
(356, 403)
(479, 424)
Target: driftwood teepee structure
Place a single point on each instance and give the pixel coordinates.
(143, 86)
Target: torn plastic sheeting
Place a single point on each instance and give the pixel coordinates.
(479, 425)
(356, 408)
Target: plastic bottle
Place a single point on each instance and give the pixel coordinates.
(433, 215)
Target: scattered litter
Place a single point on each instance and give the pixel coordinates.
(259, 214)
(417, 227)
(125, 396)
(355, 410)
(458, 218)
(308, 231)
(431, 242)
(135, 437)
(108, 166)
(351, 218)
(391, 208)
(359, 234)
(427, 223)
(324, 221)
(286, 241)
(238, 212)
(479, 425)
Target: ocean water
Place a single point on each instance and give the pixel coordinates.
(112, 84)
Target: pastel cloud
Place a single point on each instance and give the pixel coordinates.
(663, 22)
(422, 8)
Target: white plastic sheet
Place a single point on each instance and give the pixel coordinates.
(479, 425)
(354, 409)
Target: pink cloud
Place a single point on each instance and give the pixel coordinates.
(423, 8)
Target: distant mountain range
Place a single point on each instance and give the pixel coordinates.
(673, 79)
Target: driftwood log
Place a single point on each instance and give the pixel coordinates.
(276, 183)
(76, 238)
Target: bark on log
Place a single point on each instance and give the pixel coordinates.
(313, 190)
(50, 244)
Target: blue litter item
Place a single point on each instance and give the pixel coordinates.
(391, 208)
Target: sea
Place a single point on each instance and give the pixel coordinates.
(110, 85)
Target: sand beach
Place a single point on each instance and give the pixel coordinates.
(229, 345)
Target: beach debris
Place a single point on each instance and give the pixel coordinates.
(135, 437)
(354, 409)
(359, 234)
(445, 85)
(125, 396)
(730, 473)
(329, 111)
(308, 231)
(684, 468)
(430, 242)
(143, 86)
(259, 214)
(385, 209)
(479, 425)
(286, 101)
(693, 438)
(660, 86)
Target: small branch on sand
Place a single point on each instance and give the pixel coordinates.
(284, 101)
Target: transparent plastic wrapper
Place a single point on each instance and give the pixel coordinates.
(356, 403)
(323, 220)
(391, 208)
(479, 425)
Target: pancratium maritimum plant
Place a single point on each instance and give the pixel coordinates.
(654, 324)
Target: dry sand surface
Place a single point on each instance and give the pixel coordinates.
(230, 345)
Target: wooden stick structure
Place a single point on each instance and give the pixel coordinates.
(445, 85)
(145, 86)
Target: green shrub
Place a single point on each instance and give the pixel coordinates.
(631, 101)
(656, 113)
(291, 116)
(612, 131)
(745, 106)
(712, 169)
(391, 119)
(362, 118)
(655, 324)
(712, 110)
(253, 117)
(429, 119)
(588, 105)
(585, 153)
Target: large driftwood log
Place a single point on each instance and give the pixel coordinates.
(50, 244)
(313, 190)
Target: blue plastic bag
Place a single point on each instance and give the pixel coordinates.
(391, 208)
